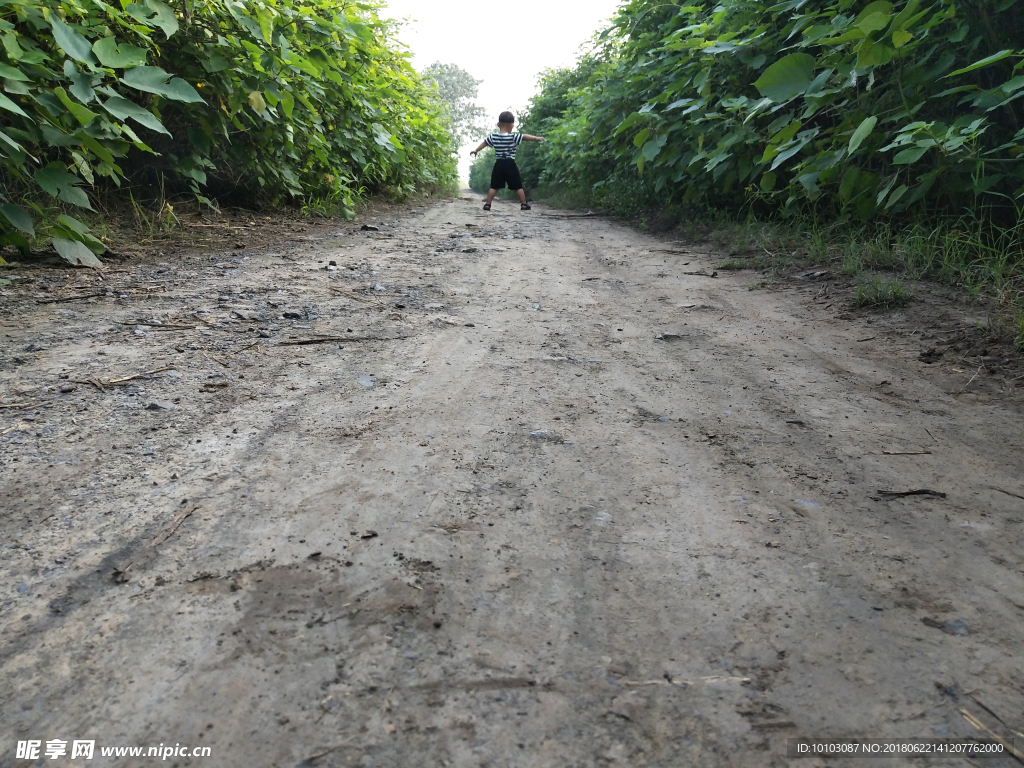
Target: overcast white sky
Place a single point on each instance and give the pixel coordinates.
(505, 44)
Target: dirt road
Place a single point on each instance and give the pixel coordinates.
(549, 499)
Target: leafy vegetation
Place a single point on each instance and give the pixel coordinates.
(457, 89)
(263, 101)
(871, 135)
(832, 107)
(877, 292)
(480, 170)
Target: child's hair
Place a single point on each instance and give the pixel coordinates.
(506, 117)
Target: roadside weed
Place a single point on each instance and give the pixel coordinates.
(881, 293)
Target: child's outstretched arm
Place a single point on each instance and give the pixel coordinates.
(528, 137)
(482, 145)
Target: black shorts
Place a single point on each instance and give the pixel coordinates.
(506, 172)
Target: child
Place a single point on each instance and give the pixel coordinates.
(505, 170)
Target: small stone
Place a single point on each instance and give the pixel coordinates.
(160, 405)
(546, 434)
(369, 228)
(291, 314)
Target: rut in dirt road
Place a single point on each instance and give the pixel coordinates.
(550, 497)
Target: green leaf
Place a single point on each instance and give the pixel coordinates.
(71, 42)
(653, 147)
(787, 77)
(154, 80)
(287, 104)
(908, 156)
(117, 56)
(874, 55)
(879, 6)
(768, 181)
(18, 217)
(982, 63)
(82, 115)
(61, 184)
(901, 38)
(76, 252)
(70, 228)
(13, 73)
(73, 224)
(154, 13)
(873, 22)
(164, 18)
(846, 186)
(10, 106)
(266, 20)
(13, 146)
(862, 132)
(896, 195)
(123, 109)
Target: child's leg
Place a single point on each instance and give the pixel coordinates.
(521, 194)
(490, 195)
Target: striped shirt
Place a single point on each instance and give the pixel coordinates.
(505, 144)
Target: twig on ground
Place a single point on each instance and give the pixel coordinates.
(1008, 493)
(161, 327)
(140, 375)
(332, 339)
(211, 357)
(982, 727)
(971, 380)
(71, 298)
(167, 532)
(915, 492)
(905, 453)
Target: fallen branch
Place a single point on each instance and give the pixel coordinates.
(214, 359)
(350, 295)
(175, 524)
(140, 375)
(120, 573)
(982, 727)
(161, 327)
(332, 339)
(1008, 493)
(14, 405)
(905, 453)
(702, 273)
(915, 492)
(71, 298)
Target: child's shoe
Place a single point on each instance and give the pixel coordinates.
(524, 207)
(487, 206)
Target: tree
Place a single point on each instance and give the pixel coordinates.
(457, 89)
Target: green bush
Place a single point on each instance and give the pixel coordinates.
(480, 171)
(838, 107)
(264, 100)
